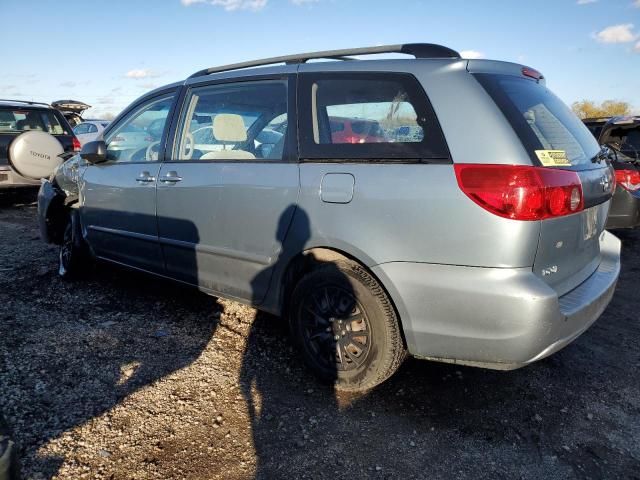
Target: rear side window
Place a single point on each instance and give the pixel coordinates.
(373, 116)
(552, 134)
(18, 121)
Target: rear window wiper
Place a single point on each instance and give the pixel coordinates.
(603, 154)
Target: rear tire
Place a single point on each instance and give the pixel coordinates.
(72, 257)
(346, 327)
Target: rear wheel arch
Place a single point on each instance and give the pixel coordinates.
(307, 260)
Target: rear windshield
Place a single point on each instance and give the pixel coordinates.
(17, 121)
(548, 129)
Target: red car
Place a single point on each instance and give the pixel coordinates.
(354, 130)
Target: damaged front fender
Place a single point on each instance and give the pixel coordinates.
(52, 212)
(57, 197)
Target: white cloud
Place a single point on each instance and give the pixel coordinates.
(622, 33)
(585, 2)
(471, 54)
(230, 5)
(306, 2)
(68, 84)
(140, 73)
(636, 3)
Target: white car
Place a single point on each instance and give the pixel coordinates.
(90, 130)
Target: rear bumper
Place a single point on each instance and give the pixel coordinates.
(10, 179)
(625, 209)
(493, 317)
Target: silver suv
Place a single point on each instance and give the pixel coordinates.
(450, 209)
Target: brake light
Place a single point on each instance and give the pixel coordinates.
(531, 73)
(521, 192)
(628, 179)
(77, 146)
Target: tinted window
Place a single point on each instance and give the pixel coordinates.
(244, 121)
(17, 120)
(541, 120)
(368, 116)
(136, 138)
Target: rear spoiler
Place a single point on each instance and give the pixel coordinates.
(505, 68)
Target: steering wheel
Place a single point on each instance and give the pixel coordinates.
(188, 146)
(151, 155)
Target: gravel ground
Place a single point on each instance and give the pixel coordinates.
(122, 376)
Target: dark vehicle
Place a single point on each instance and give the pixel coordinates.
(595, 124)
(622, 136)
(17, 117)
(72, 110)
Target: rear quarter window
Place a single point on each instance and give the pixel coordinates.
(368, 116)
(541, 120)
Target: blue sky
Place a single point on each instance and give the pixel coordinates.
(107, 53)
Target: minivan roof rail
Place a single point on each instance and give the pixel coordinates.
(23, 101)
(418, 50)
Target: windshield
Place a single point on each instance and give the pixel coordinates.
(17, 121)
(552, 134)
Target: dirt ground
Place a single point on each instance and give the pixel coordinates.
(123, 376)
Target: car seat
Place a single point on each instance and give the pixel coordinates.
(229, 128)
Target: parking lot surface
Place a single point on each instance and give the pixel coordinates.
(120, 375)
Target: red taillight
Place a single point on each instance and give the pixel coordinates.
(628, 179)
(521, 192)
(76, 144)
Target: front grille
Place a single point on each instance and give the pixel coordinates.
(4, 177)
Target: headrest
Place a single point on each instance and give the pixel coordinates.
(229, 127)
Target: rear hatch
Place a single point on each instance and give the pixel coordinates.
(71, 109)
(569, 246)
(15, 120)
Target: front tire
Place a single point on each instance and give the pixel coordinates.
(72, 256)
(346, 327)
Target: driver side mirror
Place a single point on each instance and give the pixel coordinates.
(94, 152)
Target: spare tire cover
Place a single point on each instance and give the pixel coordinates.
(35, 154)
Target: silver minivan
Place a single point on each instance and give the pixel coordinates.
(448, 209)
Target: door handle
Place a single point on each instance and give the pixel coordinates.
(171, 177)
(145, 177)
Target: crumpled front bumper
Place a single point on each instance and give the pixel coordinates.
(50, 201)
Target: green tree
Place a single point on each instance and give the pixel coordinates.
(608, 108)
